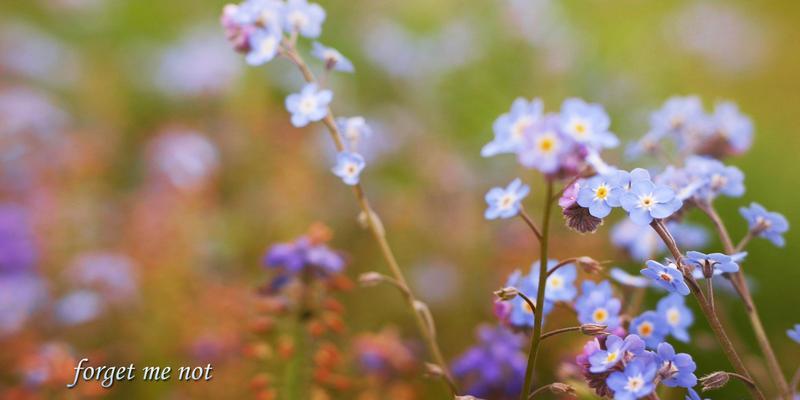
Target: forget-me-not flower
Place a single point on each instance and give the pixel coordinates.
(521, 313)
(712, 264)
(666, 276)
(310, 105)
(615, 351)
(601, 193)
(732, 126)
(544, 147)
(677, 315)
(587, 124)
(333, 58)
(635, 382)
(646, 201)
(264, 46)
(596, 305)
(353, 130)
(506, 203)
(766, 224)
(677, 369)
(348, 167)
(560, 284)
(794, 334)
(716, 178)
(676, 114)
(303, 17)
(692, 394)
(651, 327)
(510, 128)
(495, 365)
(623, 277)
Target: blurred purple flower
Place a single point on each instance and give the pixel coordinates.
(20, 296)
(493, 368)
(18, 252)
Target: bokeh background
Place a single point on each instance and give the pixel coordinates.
(136, 146)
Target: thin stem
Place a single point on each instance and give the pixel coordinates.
(539, 391)
(560, 331)
(568, 261)
(738, 281)
(705, 307)
(374, 225)
(525, 217)
(747, 381)
(530, 302)
(537, 320)
(744, 242)
(710, 291)
(796, 379)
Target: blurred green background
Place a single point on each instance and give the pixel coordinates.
(433, 76)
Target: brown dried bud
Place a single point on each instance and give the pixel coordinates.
(594, 329)
(579, 219)
(589, 265)
(714, 380)
(507, 293)
(561, 388)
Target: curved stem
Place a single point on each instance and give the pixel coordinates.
(744, 242)
(738, 281)
(537, 319)
(374, 225)
(568, 261)
(524, 215)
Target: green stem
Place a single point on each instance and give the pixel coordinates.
(537, 318)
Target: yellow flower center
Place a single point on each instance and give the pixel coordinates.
(600, 315)
(634, 383)
(547, 144)
(673, 316)
(556, 282)
(611, 357)
(519, 127)
(601, 192)
(645, 329)
(580, 128)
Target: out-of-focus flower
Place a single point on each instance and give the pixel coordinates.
(20, 296)
(505, 203)
(692, 394)
(621, 276)
(666, 276)
(677, 370)
(597, 305)
(520, 314)
(794, 333)
(717, 178)
(334, 60)
(303, 17)
(79, 307)
(185, 159)
(601, 193)
(290, 259)
(651, 327)
(263, 47)
(384, 354)
(561, 282)
(18, 253)
(495, 367)
(766, 224)
(310, 105)
(647, 201)
(33, 54)
(509, 129)
(587, 124)
(732, 129)
(636, 381)
(677, 316)
(49, 364)
(643, 243)
(111, 274)
(30, 121)
(348, 167)
(545, 148)
(676, 115)
(614, 352)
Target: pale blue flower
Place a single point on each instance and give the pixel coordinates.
(596, 305)
(732, 126)
(560, 284)
(354, 130)
(716, 263)
(79, 307)
(521, 313)
(303, 17)
(348, 167)
(635, 382)
(677, 316)
(333, 58)
(601, 193)
(651, 327)
(264, 46)
(544, 147)
(505, 203)
(794, 333)
(510, 128)
(666, 276)
(716, 177)
(621, 276)
(766, 224)
(615, 351)
(691, 394)
(643, 243)
(264, 15)
(310, 105)
(677, 369)
(676, 114)
(587, 124)
(647, 201)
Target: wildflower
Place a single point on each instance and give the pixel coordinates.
(597, 305)
(712, 264)
(794, 333)
(348, 167)
(601, 193)
(544, 147)
(621, 276)
(186, 160)
(79, 307)
(18, 254)
(651, 327)
(294, 257)
(310, 105)
(509, 129)
(691, 394)
(20, 296)
(615, 351)
(643, 243)
(668, 277)
(635, 382)
(110, 274)
(263, 47)
(506, 203)
(353, 130)
(334, 60)
(766, 224)
(587, 124)
(732, 133)
(677, 370)
(561, 282)
(303, 17)
(647, 201)
(494, 367)
(676, 115)
(714, 380)
(717, 178)
(520, 314)
(678, 317)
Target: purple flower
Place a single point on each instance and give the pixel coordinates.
(647, 201)
(794, 333)
(587, 124)
(691, 394)
(304, 18)
(510, 128)
(110, 274)
(348, 167)
(651, 327)
(17, 247)
(79, 307)
(505, 203)
(495, 367)
(334, 60)
(615, 351)
(310, 105)
(544, 147)
(635, 382)
(668, 277)
(601, 193)
(766, 224)
(677, 316)
(677, 370)
(20, 296)
(292, 258)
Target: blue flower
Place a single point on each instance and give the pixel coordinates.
(766, 224)
(510, 128)
(587, 124)
(79, 307)
(310, 105)
(348, 167)
(623, 277)
(677, 316)
(544, 147)
(642, 242)
(676, 115)
(691, 394)
(264, 46)
(733, 127)
(333, 58)
(668, 277)
(615, 351)
(521, 313)
(353, 130)
(494, 366)
(651, 327)
(601, 193)
(716, 178)
(646, 200)
(635, 382)
(304, 18)
(264, 15)
(592, 292)
(506, 203)
(560, 284)
(794, 334)
(677, 369)
(715, 263)
(597, 306)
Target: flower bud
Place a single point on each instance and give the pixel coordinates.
(714, 380)
(589, 265)
(369, 279)
(507, 293)
(593, 329)
(561, 388)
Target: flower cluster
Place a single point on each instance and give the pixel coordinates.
(518, 312)
(306, 254)
(495, 366)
